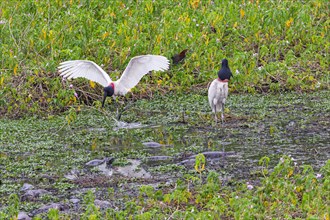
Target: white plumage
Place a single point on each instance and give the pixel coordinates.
(135, 70)
(217, 94)
(86, 69)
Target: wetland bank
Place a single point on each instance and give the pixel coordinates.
(67, 165)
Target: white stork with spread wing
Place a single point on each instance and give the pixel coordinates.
(135, 70)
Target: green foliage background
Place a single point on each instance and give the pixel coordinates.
(271, 46)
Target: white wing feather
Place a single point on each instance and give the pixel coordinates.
(137, 68)
(86, 69)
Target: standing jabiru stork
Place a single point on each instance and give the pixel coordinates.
(218, 90)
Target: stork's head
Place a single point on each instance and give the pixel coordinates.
(108, 91)
(224, 63)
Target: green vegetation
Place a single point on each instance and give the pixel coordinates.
(271, 45)
(288, 192)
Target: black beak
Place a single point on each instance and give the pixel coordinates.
(104, 98)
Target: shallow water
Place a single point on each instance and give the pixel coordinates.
(295, 124)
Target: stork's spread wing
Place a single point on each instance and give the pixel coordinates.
(86, 69)
(137, 68)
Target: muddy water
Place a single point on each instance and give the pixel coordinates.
(246, 145)
(155, 145)
(285, 125)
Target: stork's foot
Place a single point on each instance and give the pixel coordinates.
(215, 118)
(222, 118)
(119, 114)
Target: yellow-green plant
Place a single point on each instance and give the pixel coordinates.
(200, 164)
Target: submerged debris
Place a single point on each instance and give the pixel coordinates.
(188, 162)
(133, 170)
(34, 193)
(45, 208)
(23, 216)
(105, 169)
(153, 144)
(159, 158)
(214, 154)
(75, 201)
(26, 186)
(72, 175)
(94, 163)
(97, 162)
(102, 204)
(125, 125)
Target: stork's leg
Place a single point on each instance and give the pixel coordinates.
(119, 115)
(123, 110)
(119, 112)
(116, 105)
(215, 114)
(222, 112)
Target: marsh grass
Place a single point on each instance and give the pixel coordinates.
(272, 46)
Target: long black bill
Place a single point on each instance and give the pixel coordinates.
(104, 98)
